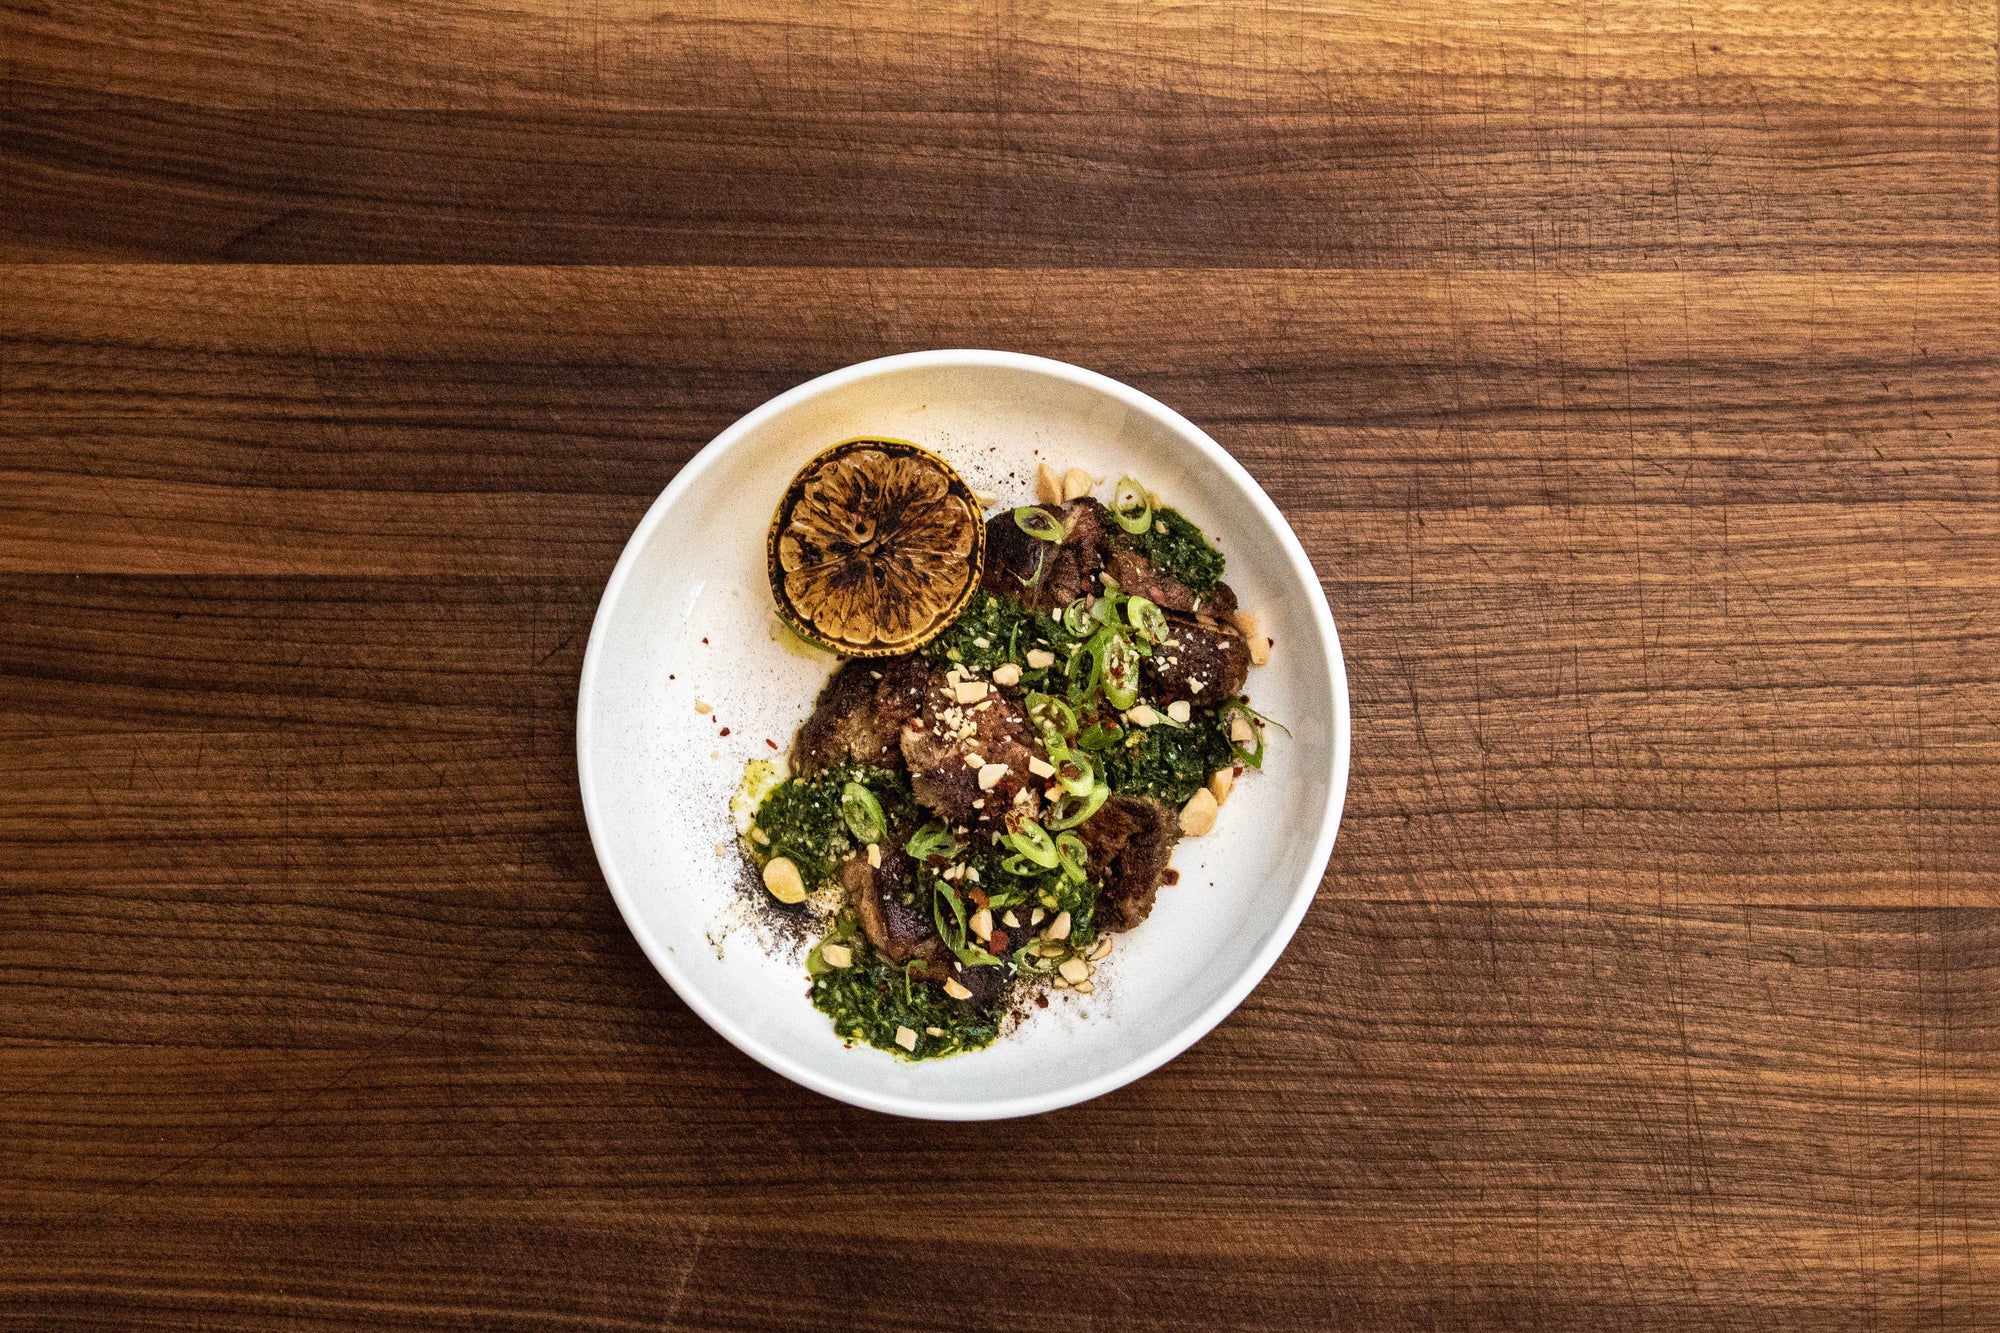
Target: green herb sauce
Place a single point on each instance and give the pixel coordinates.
(869, 1000)
(1178, 547)
(991, 630)
(802, 820)
(1169, 762)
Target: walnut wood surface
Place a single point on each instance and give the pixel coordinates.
(1630, 372)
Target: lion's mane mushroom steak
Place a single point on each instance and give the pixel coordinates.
(969, 751)
(859, 715)
(1130, 840)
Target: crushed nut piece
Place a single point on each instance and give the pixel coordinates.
(1041, 767)
(1100, 950)
(982, 924)
(1007, 918)
(1058, 928)
(1220, 783)
(1074, 970)
(1260, 650)
(1048, 486)
(1039, 659)
(1240, 730)
(969, 691)
(990, 774)
(1076, 484)
(701, 707)
(1006, 674)
(783, 880)
(956, 989)
(1180, 710)
(1198, 815)
(836, 955)
(875, 856)
(906, 1038)
(1142, 715)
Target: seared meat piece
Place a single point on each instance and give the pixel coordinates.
(860, 713)
(1220, 604)
(1068, 569)
(1135, 574)
(903, 933)
(1130, 841)
(899, 933)
(940, 743)
(1203, 661)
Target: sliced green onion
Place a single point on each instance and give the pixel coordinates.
(1039, 523)
(1098, 736)
(863, 813)
(1016, 864)
(1050, 711)
(1085, 775)
(1073, 855)
(1032, 841)
(1147, 618)
(1026, 960)
(1131, 507)
(1076, 617)
(1067, 812)
(1041, 567)
(1105, 609)
(931, 840)
(1121, 674)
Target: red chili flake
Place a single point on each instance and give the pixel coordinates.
(704, 638)
(979, 897)
(999, 940)
(670, 675)
(1041, 1002)
(768, 741)
(724, 731)
(1170, 876)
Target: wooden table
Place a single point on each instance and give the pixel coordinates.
(1629, 370)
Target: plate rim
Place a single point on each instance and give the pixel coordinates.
(1303, 893)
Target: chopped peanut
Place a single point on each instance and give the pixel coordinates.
(906, 1038)
(969, 691)
(1041, 767)
(1006, 674)
(1220, 783)
(1076, 484)
(782, 878)
(990, 774)
(982, 924)
(1074, 970)
(1058, 928)
(956, 989)
(836, 955)
(1198, 815)
(1260, 650)
(1048, 486)
(1142, 715)
(1240, 729)
(1039, 659)
(1180, 710)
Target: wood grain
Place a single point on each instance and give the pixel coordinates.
(1630, 374)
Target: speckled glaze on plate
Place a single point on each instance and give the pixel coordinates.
(686, 625)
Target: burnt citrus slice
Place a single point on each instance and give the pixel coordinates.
(875, 548)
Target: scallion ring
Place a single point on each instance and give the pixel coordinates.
(1032, 841)
(1147, 618)
(1039, 523)
(1073, 855)
(863, 813)
(1131, 506)
(1068, 812)
(1076, 775)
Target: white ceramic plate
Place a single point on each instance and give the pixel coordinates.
(687, 618)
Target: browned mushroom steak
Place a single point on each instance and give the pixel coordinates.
(1135, 574)
(903, 932)
(942, 741)
(1046, 576)
(1203, 661)
(858, 718)
(1130, 841)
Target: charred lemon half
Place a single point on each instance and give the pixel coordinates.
(875, 548)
